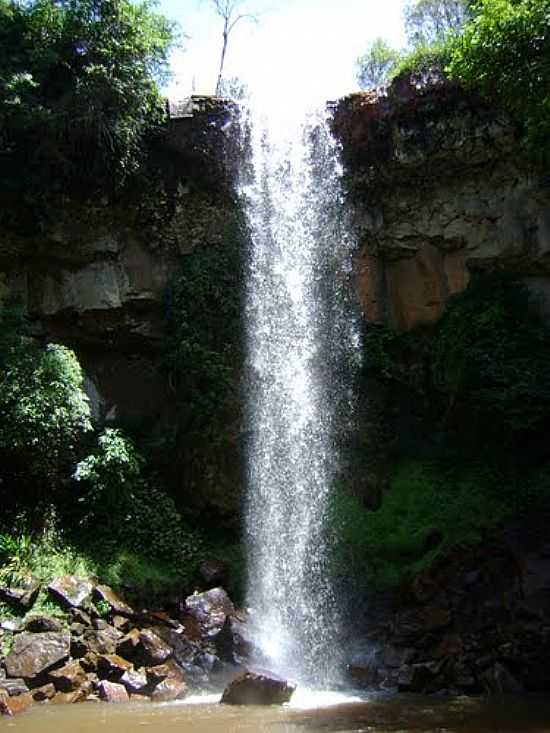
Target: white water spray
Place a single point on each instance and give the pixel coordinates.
(301, 336)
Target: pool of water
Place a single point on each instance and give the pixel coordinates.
(309, 713)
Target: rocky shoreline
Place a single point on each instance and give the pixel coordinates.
(104, 649)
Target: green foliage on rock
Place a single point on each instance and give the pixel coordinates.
(78, 92)
(504, 52)
(484, 364)
(490, 357)
(428, 509)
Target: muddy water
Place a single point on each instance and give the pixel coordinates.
(398, 714)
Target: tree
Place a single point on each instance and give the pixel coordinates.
(234, 88)
(504, 53)
(228, 10)
(375, 66)
(429, 21)
(78, 90)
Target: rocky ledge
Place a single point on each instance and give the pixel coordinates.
(103, 648)
(477, 621)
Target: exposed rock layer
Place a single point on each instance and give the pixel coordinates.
(441, 189)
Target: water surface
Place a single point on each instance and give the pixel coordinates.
(527, 714)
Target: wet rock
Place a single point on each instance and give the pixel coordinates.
(14, 705)
(13, 687)
(69, 698)
(121, 623)
(161, 672)
(78, 616)
(152, 649)
(77, 629)
(42, 624)
(112, 692)
(136, 697)
(210, 610)
(118, 606)
(257, 688)
(499, 680)
(112, 667)
(225, 642)
(20, 598)
(168, 690)
(127, 646)
(68, 678)
(214, 573)
(135, 681)
(89, 662)
(414, 677)
(46, 692)
(101, 642)
(71, 591)
(100, 624)
(33, 654)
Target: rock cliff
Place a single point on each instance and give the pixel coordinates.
(441, 189)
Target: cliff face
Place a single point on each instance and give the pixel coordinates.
(94, 274)
(97, 275)
(441, 190)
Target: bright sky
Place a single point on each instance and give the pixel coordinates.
(305, 47)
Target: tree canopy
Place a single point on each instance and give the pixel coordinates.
(429, 21)
(374, 67)
(78, 90)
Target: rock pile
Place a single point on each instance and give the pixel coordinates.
(105, 649)
(478, 621)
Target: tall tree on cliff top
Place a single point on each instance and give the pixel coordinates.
(374, 67)
(229, 12)
(429, 21)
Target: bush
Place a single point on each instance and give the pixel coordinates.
(504, 52)
(44, 412)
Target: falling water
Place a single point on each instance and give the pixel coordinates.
(300, 339)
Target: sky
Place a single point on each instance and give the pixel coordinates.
(297, 48)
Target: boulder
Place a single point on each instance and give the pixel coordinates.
(169, 690)
(20, 598)
(46, 692)
(41, 624)
(33, 654)
(14, 705)
(152, 649)
(135, 681)
(112, 667)
(13, 687)
(71, 591)
(69, 698)
(257, 688)
(210, 610)
(68, 678)
(118, 606)
(103, 641)
(161, 672)
(128, 645)
(214, 573)
(112, 692)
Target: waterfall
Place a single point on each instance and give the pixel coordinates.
(300, 338)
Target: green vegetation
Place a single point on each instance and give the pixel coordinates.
(44, 410)
(78, 92)
(428, 509)
(505, 54)
(376, 66)
(482, 374)
(57, 473)
(429, 22)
